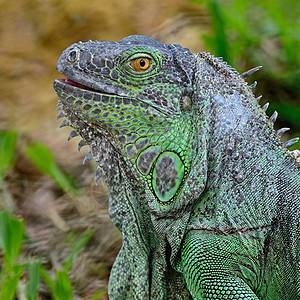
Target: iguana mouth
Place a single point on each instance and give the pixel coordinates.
(75, 84)
(71, 83)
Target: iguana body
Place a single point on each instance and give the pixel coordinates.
(203, 191)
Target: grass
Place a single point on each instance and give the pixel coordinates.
(257, 31)
(11, 236)
(12, 231)
(11, 239)
(8, 142)
(42, 158)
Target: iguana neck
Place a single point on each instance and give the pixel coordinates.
(144, 251)
(244, 154)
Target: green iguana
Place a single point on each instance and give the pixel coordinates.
(205, 194)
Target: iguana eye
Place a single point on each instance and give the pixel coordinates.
(141, 63)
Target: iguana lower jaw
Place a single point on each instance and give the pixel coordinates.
(95, 95)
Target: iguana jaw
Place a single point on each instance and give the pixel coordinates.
(109, 90)
(123, 120)
(70, 82)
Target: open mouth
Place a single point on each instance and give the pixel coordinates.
(75, 84)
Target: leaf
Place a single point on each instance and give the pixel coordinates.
(45, 163)
(7, 152)
(62, 286)
(76, 248)
(99, 294)
(11, 236)
(219, 42)
(48, 280)
(34, 280)
(9, 281)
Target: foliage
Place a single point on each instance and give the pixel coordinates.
(259, 31)
(60, 286)
(12, 233)
(11, 238)
(7, 151)
(45, 163)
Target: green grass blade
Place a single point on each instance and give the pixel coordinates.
(8, 142)
(45, 163)
(219, 42)
(34, 280)
(76, 248)
(9, 280)
(62, 286)
(48, 280)
(99, 294)
(11, 236)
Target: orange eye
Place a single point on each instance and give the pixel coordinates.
(141, 64)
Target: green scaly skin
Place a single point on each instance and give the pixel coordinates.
(200, 185)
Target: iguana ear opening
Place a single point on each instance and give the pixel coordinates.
(185, 104)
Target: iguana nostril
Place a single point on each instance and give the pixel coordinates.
(73, 55)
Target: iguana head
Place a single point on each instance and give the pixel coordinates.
(137, 94)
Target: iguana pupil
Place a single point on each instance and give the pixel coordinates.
(142, 63)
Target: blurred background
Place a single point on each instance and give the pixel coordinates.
(67, 238)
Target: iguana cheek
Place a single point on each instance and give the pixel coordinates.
(167, 176)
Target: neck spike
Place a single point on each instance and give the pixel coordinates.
(281, 131)
(291, 142)
(89, 156)
(265, 107)
(258, 98)
(273, 118)
(250, 72)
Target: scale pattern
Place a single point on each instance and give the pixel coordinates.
(205, 194)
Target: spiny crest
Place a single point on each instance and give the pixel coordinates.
(73, 133)
(222, 66)
(218, 63)
(272, 119)
(250, 72)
